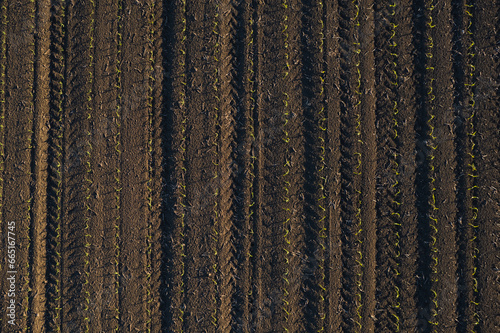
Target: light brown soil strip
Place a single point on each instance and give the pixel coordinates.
(19, 153)
(40, 135)
(200, 158)
(488, 166)
(226, 104)
(104, 161)
(134, 139)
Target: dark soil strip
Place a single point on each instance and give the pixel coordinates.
(466, 171)
(488, 166)
(350, 168)
(156, 179)
(55, 166)
(272, 153)
(73, 267)
(332, 101)
(245, 173)
(257, 160)
(312, 44)
(443, 198)
(406, 118)
(368, 151)
(174, 126)
(422, 188)
(388, 151)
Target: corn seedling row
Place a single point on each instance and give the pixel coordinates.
(252, 88)
(149, 234)
(432, 146)
(395, 161)
(89, 172)
(287, 167)
(472, 172)
(323, 199)
(358, 170)
(118, 183)
(181, 166)
(215, 161)
(56, 150)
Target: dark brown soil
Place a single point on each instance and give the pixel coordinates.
(250, 166)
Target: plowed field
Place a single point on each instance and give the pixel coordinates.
(249, 166)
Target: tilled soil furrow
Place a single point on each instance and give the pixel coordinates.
(153, 239)
(19, 158)
(250, 166)
(228, 164)
(388, 151)
(466, 172)
(175, 126)
(350, 166)
(293, 163)
(333, 264)
(488, 167)
(55, 167)
(246, 158)
(368, 157)
(442, 161)
(256, 298)
(272, 154)
(437, 288)
(406, 117)
(313, 94)
(77, 179)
